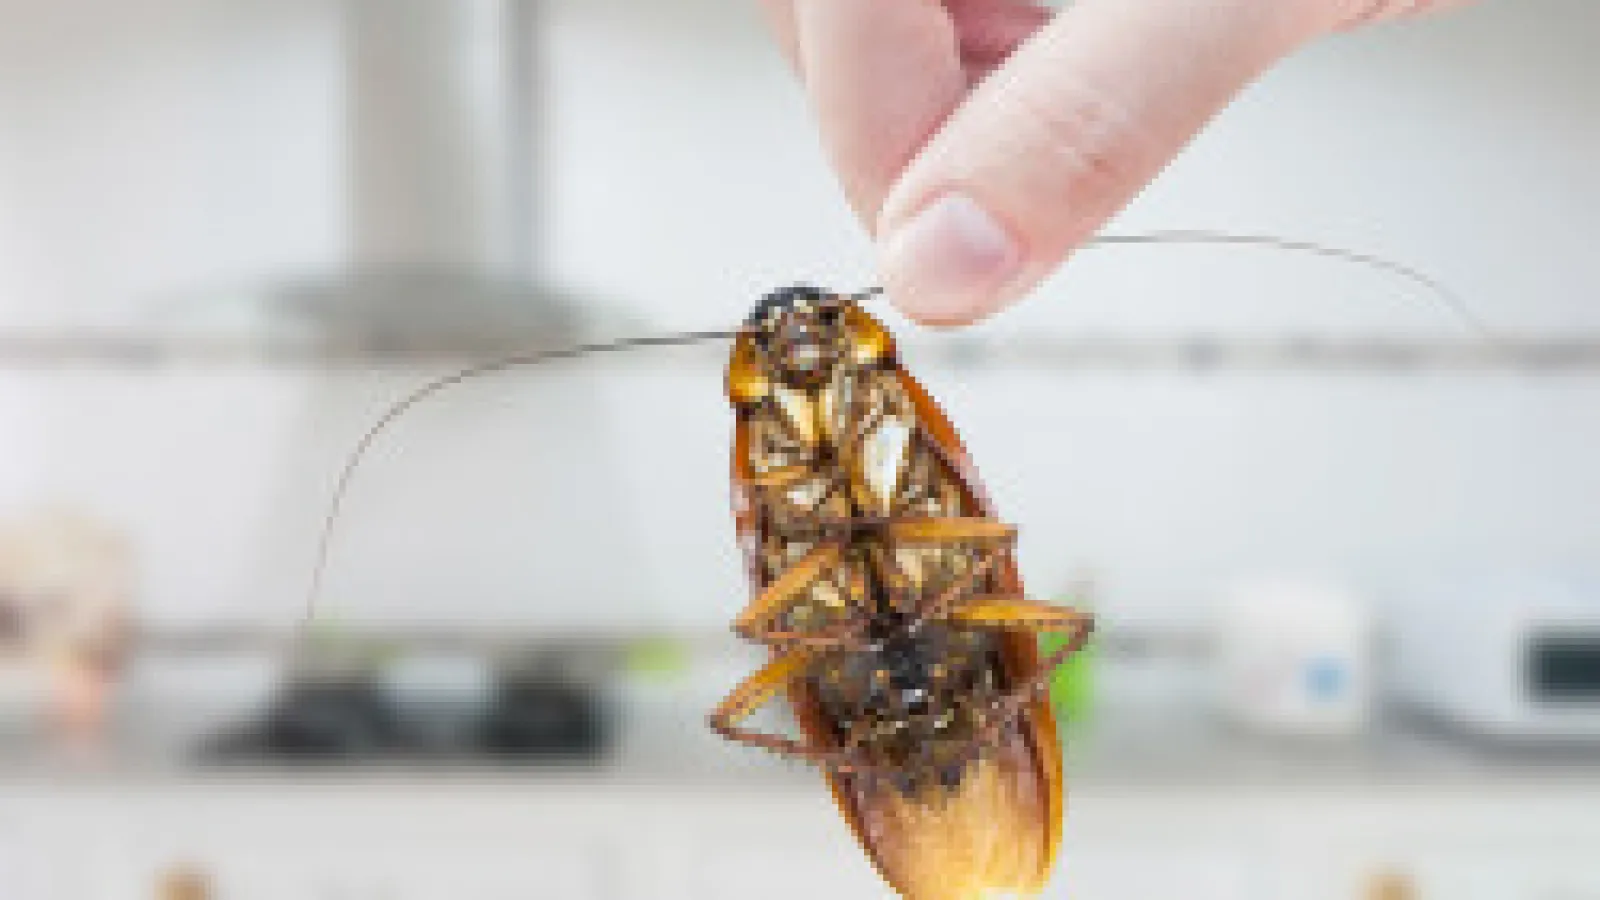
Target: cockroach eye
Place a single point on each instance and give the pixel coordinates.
(772, 306)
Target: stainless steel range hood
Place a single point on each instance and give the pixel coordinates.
(471, 522)
(439, 104)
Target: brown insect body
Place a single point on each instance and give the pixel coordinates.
(893, 606)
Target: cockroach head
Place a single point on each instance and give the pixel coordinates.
(771, 309)
(804, 332)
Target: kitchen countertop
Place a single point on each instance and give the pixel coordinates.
(1152, 724)
(1127, 750)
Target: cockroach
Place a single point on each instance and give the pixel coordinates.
(889, 596)
(884, 588)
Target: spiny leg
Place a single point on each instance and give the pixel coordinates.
(832, 534)
(954, 594)
(1020, 614)
(998, 611)
(760, 689)
(781, 476)
(1012, 612)
(949, 530)
(781, 595)
(909, 530)
(937, 531)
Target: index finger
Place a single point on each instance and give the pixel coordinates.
(882, 76)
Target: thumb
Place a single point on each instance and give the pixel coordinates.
(1060, 138)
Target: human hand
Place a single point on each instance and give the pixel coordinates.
(982, 140)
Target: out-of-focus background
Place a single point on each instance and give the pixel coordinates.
(1343, 542)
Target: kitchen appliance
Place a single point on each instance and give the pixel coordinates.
(440, 100)
(425, 709)
(1294, 657)
(1508, 655)
(441, 272)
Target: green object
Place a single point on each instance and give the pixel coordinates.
(656, 658)
(1072, 683)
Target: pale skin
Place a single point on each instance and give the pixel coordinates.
(981, 141)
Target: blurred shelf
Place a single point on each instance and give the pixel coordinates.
(1116, 641)
(1189, 354)
(1128, 744)
(319, 638)
(1201, 354)
(139, 351)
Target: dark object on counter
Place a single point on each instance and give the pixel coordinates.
(328, 719)
(549, 720)
(355, 721)
(1563, 668)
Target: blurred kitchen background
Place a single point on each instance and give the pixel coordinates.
(1343, 541)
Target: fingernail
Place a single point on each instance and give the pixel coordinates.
(944, 265)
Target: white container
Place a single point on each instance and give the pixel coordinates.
(1512, 655)
(1294, 657)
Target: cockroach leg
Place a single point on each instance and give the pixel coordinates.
(954, 595)
(1010, 612)
(844, 636)
(758, 690)
(781, 477)
(754, 623)
(953, 530)
(782, 592)
(911, 530)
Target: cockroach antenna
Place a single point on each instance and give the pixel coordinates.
(1448, 299)
(1441, 294)
(403, 405)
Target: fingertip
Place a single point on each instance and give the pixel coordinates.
(950, 263)
(940, 320)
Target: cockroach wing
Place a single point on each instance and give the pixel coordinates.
(1021, 647)
(1000, 828)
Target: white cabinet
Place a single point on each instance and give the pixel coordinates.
(1495, 876)
(301, 843)
(780, 871)
(532, 840)
(1515, 871)
(503, 873)
(1137, 873)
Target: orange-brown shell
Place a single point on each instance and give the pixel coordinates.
(920, 851)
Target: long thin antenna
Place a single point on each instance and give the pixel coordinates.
(1440, 292)
(401, 406)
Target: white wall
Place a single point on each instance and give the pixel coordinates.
(156, 158)
(155, 149)
(683, 179)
